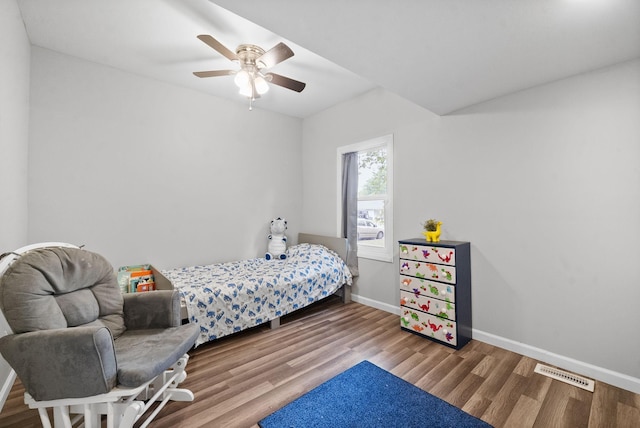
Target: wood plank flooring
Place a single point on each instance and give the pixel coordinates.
(240, 379)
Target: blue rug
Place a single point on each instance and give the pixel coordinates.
(367, 396)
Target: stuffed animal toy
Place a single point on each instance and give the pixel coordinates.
(277, 240)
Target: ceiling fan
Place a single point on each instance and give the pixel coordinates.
(252, 78)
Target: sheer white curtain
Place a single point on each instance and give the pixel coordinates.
(350, 208)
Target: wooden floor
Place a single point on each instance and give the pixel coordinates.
(240, 379)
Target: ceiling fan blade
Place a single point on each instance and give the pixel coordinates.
(218, 47)
(285, 82)
(214, 73)
(274, 56)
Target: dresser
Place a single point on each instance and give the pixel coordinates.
(435, 290)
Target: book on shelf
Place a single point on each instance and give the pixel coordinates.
(136, 279)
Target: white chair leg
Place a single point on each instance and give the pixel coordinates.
(131, 414)
(44, 417)
(178, 394)
(181, 395)
(111, 415)
(61, 417)
(181, 377)
(91, 416)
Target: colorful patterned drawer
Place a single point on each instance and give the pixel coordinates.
(428, 253)
(429, 288)
(437, 307)
(435, 290)
(425, 270)
(430, 326)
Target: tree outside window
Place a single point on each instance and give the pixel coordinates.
(372, 194)
(375, 197)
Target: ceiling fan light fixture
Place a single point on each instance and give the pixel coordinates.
(246, 91)
(261, 85)
(250, 79)
(242, 79)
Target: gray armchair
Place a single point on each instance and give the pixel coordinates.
(81, 347)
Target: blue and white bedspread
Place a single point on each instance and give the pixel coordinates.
(228, 297)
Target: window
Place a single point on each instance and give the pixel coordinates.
(375, 191)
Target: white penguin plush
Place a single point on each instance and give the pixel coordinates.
(277, 240)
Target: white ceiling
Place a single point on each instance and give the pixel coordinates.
(441, 54)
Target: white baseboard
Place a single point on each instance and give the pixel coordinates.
(619, 380)
(376, 304)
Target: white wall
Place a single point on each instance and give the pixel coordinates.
(543, 183)
(14, 126)
(142, 171)
(374, 114)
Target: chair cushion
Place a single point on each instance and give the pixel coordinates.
(63, 363)
(59, 287)
(144, 354)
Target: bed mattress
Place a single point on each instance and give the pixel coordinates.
(229, 297)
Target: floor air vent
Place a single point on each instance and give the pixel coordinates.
(566, 377)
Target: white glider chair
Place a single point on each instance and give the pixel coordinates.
(81, 347)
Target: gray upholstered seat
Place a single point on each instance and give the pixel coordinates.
(76, 335)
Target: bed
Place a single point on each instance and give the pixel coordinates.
(226, 298)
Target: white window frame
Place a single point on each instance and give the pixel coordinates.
(384, 254)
